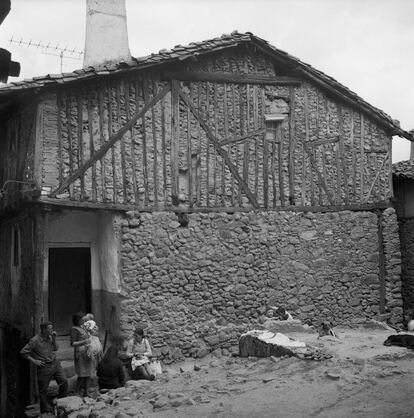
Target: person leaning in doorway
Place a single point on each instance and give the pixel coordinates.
(41, 351)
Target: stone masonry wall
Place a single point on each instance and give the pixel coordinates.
(197, 288)
(407, 257)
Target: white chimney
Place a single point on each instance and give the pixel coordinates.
(106, 37)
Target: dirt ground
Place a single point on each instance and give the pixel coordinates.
(364, 378)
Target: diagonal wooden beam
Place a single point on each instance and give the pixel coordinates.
(387, 156)
(242, 138)
(320, 177)
(111, 141)
(220, 150)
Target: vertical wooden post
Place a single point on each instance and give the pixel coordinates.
(132, 140)
(122, 143)
(353, 168)
(91, 146)
(144, 145)
(80, 140)
(233, 97)
(164, 151)
(208, 148)
(189, 159)
(60, 139)
(362, 160)
(279, 141)
(154, 138)
(312, 185)
(342, 153)
(175, 137)
(113, 161)
(226, 134)
(101, 110)
(215, 135)
(292, 145)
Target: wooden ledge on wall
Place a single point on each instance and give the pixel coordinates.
(119, 207)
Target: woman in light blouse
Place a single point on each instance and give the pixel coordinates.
(138, 350)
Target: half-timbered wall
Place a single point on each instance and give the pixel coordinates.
(17, 135)
(207, 143)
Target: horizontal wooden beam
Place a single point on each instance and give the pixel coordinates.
(110, 143)
(45, 201)
(322, 142)
(232, 78)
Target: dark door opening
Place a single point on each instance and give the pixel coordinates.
(69, 285)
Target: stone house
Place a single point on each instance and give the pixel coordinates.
(193, 190)
(403, 179)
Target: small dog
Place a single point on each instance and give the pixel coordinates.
(400, 340)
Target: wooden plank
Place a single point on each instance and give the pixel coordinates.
(255, 142)
(216, 136)
(319, 175)
(217, 77)
(144, 145)
(292, 146)
(266, 171)
(233, 101)
(111, 141)
(208, 148)
(362, 159)
(131, 138)
(378, 172)
(38, 151)
(199, 153)
(280, 163)
(220, 150)
(245, 150)
(80, 141)
(154, 137)
(60, 138)
(164, 151)
(315, 144)
(122, 143)
(352, 145)
(175, 137)
(101, 110)
(46, 201)
(70, 140)
(342, 153)
(320, 197)
(226, 134)
(91, 146)
(110, 128)
(243, 137)
(312, 186)
(189, 159)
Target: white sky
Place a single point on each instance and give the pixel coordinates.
(367, 45)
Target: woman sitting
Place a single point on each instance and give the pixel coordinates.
(110, 370)
(138, 350)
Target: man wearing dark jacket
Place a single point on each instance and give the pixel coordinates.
(41, 351)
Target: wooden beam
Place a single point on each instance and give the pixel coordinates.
(217, 77)
(122, 143)
(154, 138)
(376, 177)
(292, 146)
(91, 146)
(220, 150)
(111, 141)
(101, 111)
(175, 137)
(342, 153)
(320, 177)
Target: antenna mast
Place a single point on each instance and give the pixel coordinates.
(47, 49)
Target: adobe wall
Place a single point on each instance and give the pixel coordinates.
(197, 288)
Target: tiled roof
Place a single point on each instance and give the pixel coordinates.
(403, 170)
(180, 53)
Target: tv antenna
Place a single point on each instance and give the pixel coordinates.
(48, 49)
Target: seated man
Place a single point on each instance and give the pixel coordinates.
(41, 351)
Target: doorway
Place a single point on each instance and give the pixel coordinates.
(69, 285)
